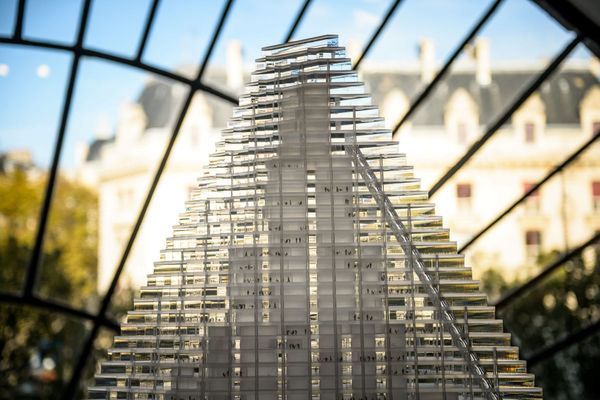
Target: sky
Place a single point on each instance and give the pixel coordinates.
(33, 81)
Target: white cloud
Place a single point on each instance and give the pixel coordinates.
(4, 69)
(43, 71)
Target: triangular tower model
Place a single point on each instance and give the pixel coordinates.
(310, 265)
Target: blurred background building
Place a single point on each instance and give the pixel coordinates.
(118, 164)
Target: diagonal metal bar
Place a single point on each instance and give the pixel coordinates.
(196, 85)
(377, 32)
(297, 21)
(71, 390)
(142, 213)
(147, 29)
(416, 103)
(505, 116)
(533, 189)
(37, 251)
(18, 30)
(73, 384)
(516, 293)
(215, 37)
(50, 305)
(563, 343)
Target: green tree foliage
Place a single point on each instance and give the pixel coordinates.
(563, 303)
(38, 348)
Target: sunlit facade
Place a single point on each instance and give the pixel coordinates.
(283, 278)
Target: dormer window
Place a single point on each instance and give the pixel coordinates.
(596, 196)
(461, 116)
(463, 195)
(529, 128)
(530, 119)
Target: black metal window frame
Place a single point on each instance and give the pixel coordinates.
(586, 32)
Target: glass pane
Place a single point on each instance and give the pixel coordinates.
(116, 26)
(429, 30)
(39, 350)
(182, 31)
(52, 21)
(31, 92)
(562, 304)
(240, 42)
(484, 81)
(188, 158)
(581, 362)
(120, 122)
(8, 11)
(561, 114)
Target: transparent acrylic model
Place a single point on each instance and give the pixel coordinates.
(308, 264)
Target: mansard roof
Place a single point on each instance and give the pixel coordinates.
(561, 94)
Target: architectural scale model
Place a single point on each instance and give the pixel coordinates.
(308, 264)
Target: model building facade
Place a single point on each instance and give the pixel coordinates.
(309, 264)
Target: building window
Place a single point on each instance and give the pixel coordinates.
(533, 244)
(596, 195)
(529, 132)
(534, 200)
(463, 195)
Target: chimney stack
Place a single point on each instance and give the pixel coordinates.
(427, 60)
(482, 59)
(235, 64)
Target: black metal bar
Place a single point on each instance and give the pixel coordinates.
(517, 292)
(215, 37)
(531, 190)
(297, 21)
(18, 30)
(37, 251)
(377, 32)
(562, 344)
(71, 389)
(442, 72)
(70, 392)
(121, 60)
(506, 115)
(163, 163)
(48, 304)
(147, 29)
